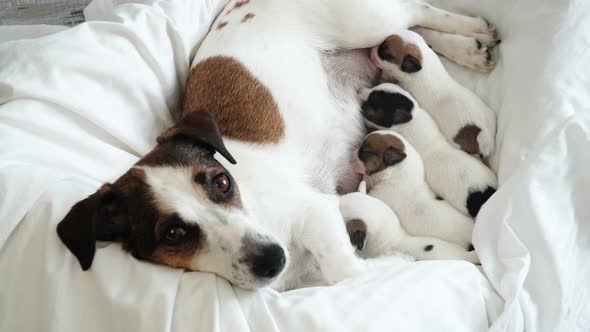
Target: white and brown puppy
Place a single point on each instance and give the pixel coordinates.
(266, 83)
(460, 179)
(375, 230)
(465, 120)
(395, 173)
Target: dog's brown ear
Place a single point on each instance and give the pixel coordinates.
(94, 218)
(201, 127)
(392, 156)
(410, 64)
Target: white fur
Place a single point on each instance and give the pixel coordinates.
(289, 188)
(450, 104)
(451, 173)
(385, 236)
(403, 187)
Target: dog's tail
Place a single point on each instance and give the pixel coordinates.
(363, 187)
(485, 140)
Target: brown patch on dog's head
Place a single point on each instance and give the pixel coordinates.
(128, 210)
(248, 17)
(379, 151)
(221, 25)
(467, 139)
(407, 56)
(242, 106)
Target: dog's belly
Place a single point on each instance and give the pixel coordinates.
(348, 71)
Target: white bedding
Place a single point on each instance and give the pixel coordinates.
(79, 106)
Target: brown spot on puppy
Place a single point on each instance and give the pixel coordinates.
(380, 151)
(405, 55)
(467, 139)
(248, 17)
(221, 25)
(357, 233)
(242, 106)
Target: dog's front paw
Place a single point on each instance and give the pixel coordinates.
(388, 261)
(345, 272)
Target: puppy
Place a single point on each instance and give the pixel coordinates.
(466, 121)
(463, 181)
(396, 172)
(374, 230)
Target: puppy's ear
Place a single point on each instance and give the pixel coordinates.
(401, 115)
(392, 156)
(199, 126)
(94, 218)
(410, 64)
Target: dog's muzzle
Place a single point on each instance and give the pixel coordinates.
(268, 261)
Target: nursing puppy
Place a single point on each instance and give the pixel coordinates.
(375, 230)
(265, 84)
(395, 172)
(463, 181)
(464, 119)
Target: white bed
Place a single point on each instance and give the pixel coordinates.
(79, 106)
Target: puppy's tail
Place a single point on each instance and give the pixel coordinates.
(363, 187)
(485, 140)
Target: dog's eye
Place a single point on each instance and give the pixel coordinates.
(173, 230)
(222, 183)
(174, 234)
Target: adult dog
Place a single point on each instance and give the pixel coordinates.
(273, 80)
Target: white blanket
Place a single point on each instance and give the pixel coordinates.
(78, 107)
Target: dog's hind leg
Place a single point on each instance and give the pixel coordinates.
(466, 51)
(363, 24)
(437, 19)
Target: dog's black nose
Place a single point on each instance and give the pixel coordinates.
(269, 261)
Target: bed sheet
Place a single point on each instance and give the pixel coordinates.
(100, 94)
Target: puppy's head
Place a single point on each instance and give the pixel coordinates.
(180, 207)
(399, 53)
(380, 150)
(386, 105)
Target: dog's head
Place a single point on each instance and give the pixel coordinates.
(180, 207)
(398, 54)
(380, 150)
